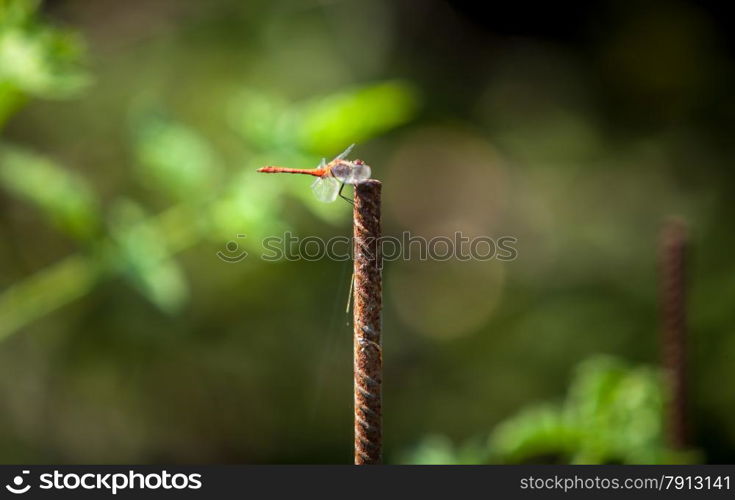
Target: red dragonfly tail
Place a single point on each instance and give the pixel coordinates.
(316, 172)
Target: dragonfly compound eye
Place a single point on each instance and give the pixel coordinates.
(362, 172)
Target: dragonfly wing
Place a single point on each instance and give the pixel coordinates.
(344, 153)
(326, 188)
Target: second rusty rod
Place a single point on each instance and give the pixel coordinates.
(673, 253)
(367, 345)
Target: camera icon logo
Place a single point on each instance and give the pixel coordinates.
(17, 486)
(234, 253)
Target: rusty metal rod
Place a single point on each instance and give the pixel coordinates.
(367, 346)
(673, 249)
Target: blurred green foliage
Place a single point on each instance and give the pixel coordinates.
(64, 197)
(37, 59)
(326, 123)
(145, 258)
(173, 160)
(613, 413)
(343, 118)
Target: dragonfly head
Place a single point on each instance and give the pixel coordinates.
(361, 171)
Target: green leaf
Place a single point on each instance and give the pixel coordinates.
(36, 58)
(64, 197)
(537, 433)
(173, 158)
(354, 116)
(432, 450)
(44, 292)
(143, 256)
(613, 413)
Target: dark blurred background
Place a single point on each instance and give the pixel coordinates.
(129, 137)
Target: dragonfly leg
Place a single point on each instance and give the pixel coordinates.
(343, 196)
(349, 296)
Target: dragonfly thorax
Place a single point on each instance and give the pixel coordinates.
(351, 172)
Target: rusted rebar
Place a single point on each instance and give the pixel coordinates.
(673, 249)
(367, 346)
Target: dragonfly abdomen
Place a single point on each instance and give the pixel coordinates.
(316, 172)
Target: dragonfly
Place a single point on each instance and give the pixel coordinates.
(331, 177)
